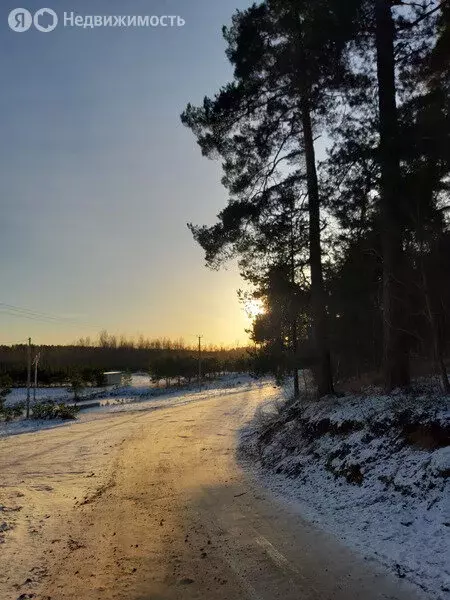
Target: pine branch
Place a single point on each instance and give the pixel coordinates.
(423, 17)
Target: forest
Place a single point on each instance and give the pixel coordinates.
(334, 139)
(88, 359)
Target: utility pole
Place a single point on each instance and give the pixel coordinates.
(200, 361)
(35, 362)
(28, 377)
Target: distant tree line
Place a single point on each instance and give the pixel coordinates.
(108, 340)
(350, 255)
(185, 368)
(88, 361)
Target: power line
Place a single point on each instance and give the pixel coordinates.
(29, 317)
(33, 315)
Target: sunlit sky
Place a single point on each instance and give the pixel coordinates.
(99, 177)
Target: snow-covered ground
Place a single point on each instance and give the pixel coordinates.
(44, 394)
(142, 394)
(64, 394)
(373, 470)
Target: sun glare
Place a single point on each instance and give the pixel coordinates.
(254, 308)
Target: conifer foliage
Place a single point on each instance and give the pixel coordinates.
(334, 140)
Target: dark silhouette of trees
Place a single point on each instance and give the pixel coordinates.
(368, 248)
(263, 125)
(395, 344)
(59, 364)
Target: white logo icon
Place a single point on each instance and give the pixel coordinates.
(20, 20)
(45, 19)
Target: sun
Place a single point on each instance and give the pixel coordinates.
(254, 308)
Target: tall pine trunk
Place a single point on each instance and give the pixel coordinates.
(324, 374)
(294, 353)
(395, 343)
(318, 303)
(436, 333)
(294, 329)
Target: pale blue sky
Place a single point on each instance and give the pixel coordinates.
(98, 176)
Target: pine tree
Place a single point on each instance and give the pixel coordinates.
(263, 126)
(377, 152)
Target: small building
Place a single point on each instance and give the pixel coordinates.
(113, 377)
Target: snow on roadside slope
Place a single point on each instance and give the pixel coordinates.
(50, 394)
(140, 381)
(373, 470)
(141, 395)
(132, 397)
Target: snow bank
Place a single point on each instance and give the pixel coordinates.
(140, 395)
(124, 396)
(51, 394)
(373, 470)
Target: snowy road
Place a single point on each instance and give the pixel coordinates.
(153, 505)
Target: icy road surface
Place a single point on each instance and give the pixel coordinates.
(153, 505)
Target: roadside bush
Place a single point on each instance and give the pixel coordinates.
(5, 388)
(49, 410)
(12, 412)
(77, 385)
(8, 413)
(67, 412)
(43, 410)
